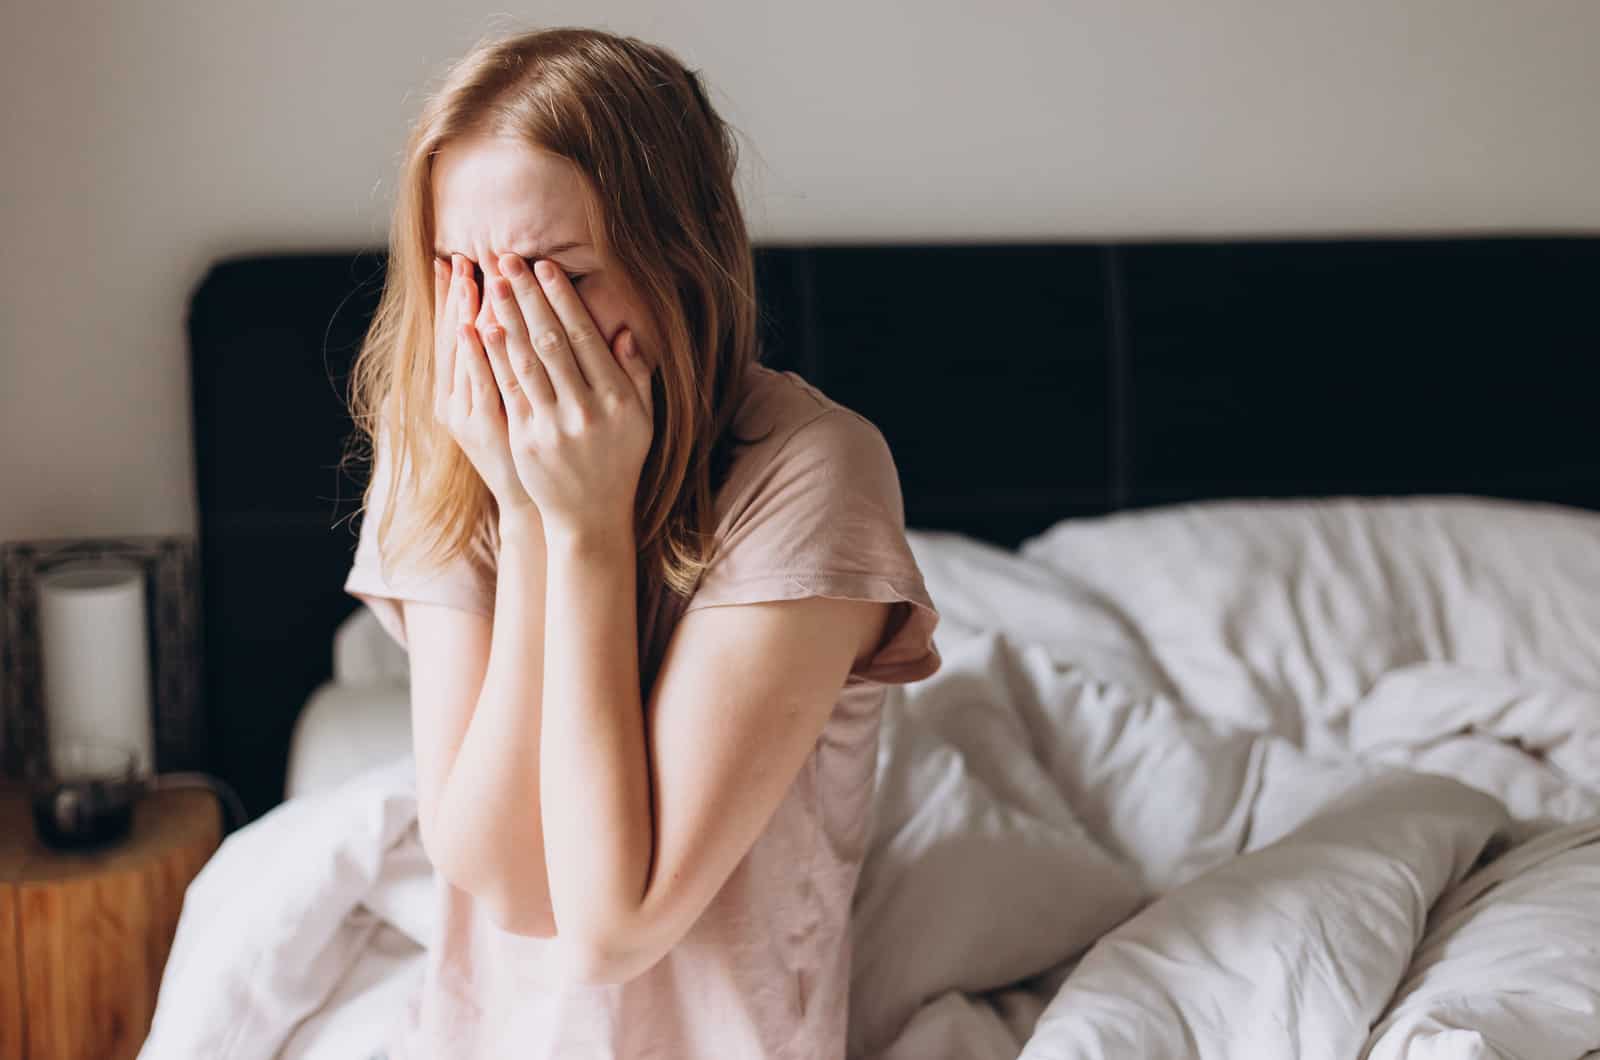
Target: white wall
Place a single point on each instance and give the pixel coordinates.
(146, 138)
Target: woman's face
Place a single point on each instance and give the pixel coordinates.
(494, 196)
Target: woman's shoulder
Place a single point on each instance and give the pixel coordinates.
(777, 404)
(782, 412)
(815, 509)
(811, 461)
(778, 399)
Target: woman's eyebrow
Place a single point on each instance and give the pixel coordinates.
(533, 255)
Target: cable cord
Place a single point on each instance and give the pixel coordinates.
(219, 787)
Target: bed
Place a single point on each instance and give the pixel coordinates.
(1270, 574)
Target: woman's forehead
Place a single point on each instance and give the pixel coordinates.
(499, 195)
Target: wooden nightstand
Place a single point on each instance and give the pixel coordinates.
(84, 936)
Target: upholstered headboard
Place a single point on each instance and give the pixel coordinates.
(1017, 384)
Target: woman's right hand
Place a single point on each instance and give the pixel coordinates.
(466, 398)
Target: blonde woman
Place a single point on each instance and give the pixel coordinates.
(651, 589)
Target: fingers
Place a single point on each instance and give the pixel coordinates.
(466, 312)
(637, 371)
(518, 402)
(480, 391)
(444, 327)
(523, 367)
(594, 357)
(441, 289)
(548, 337)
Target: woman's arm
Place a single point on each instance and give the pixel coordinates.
(448, 651)
(596, 766)
(485, 833)
(618, 822)
(464, 666)
(741, 700)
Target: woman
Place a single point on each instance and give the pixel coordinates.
(651, 589)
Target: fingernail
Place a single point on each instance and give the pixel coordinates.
(511, 265)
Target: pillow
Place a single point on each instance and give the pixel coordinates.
(365, 654)
(343, 730)
(1279, 615)
(980, 586)
(977, 874)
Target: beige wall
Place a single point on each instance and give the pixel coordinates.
(146, 138)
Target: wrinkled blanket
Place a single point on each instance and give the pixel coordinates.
(1307, 779)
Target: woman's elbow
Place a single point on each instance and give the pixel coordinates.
(439, 850)
(590, 963)
(508, 905)
(513, 913)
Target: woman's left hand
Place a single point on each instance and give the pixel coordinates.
(579, 415)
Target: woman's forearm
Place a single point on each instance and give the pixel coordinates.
(490, 832)
(596, 775)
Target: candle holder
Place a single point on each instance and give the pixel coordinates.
(172, 599)
(84, 793)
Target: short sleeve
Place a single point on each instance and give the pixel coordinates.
(825, 517)
(466, 582)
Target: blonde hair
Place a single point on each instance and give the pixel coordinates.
(660, 169)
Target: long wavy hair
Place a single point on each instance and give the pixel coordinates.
(660, 165)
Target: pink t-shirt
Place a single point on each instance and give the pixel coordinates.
(814, 509)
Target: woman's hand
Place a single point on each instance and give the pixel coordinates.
(578, 411)
(465, 397)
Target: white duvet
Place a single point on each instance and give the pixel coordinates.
(1234, 780)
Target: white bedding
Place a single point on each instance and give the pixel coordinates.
(1229, 780)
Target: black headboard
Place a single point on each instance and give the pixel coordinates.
(1017, 384)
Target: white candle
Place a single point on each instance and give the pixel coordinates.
(94, 656)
